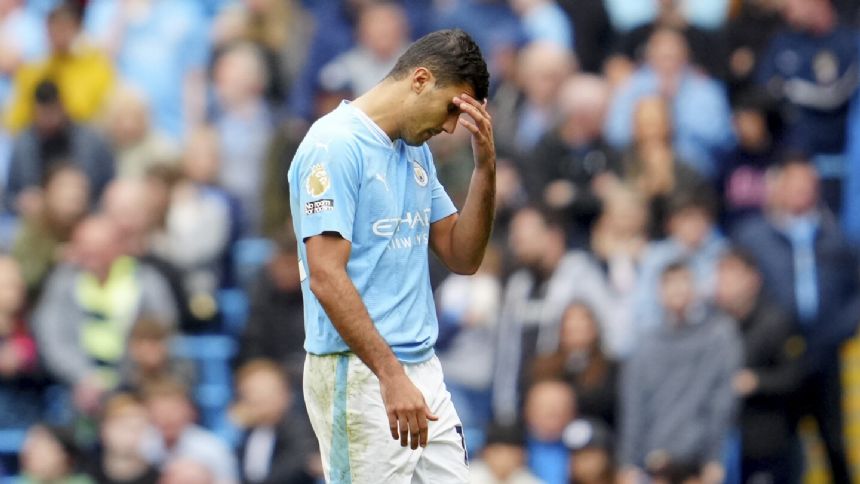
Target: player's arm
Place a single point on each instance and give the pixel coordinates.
(460, 239)
(327, 256)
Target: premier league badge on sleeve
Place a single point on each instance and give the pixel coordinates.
(420, 174)
(318, 182)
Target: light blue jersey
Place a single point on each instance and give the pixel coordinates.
(348, 177)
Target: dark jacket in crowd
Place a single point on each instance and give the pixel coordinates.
(773, 350)
(293, 445)
(31, 157)
(838, 286)
(676, 390)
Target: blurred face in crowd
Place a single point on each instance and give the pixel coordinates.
(12, 291)
(751, 128)
(583, 100)
(528, 237)
(186, 471)
(503, 459)
(803, 14)
(96, 245)
(652, 121)
(736, 283)
(125, 203)
(383, 29)
(150, 355)
(49, 119)
(127, 118)
(63, 29)
(201, 162)
(240, 75)
(579, 332)
(267, 395)
(677, 291)
(67, 196)
(549, 408)
(690, 226)
(543, 66)
(121, 432)
(43, 458)
(591, 466)
(171, 414)
(798, 188)
(667, 53)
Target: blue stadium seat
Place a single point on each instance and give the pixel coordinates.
(249, 256)
(233, 304)
(11, 440)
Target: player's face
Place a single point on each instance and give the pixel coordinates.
(432, 112)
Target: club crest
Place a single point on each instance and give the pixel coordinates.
(420, 175)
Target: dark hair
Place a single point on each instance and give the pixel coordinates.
(743, 256)
(679, 265)
(702, 198)
(506, 434)
(451, 55)
(46, 93)
(68, 8)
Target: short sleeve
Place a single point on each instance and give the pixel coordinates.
(441, 204)
(326, 185)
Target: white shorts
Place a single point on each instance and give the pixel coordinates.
(346, 411)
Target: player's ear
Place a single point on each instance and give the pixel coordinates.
(422, 79)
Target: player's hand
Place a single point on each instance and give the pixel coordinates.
(481, 127)
(407, 411)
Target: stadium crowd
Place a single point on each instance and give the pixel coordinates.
(671, 277)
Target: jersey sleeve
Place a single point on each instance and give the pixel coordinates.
(326, 187)
(441, 205)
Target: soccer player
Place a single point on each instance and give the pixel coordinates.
(366, 206)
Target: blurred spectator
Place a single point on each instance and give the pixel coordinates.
(747, 34)
(186, 470)
(278, 445)
(772, 370)
(243, 125)
(468, 323)
(525, 112)
(170, 34)
(699, 105)
(626, 15)
(275, 190)
(278, 27)
(133, 205)
(120, 461)
(706, 45)
(652, 166)
(24, 40)
(550, 406)
(811, 272)
(53, 138)
(692, 235)
(50, 454)
(592, 457)
(136, 144)
(197, 226)
(150, 359)
(83, 74)
(503, 458)
(677, 401)
(88, 307)
(812, 67)
(275, 327)
(20, 395)
(544, 20)
(175, 436)
(741, 175)
(62, 202)
(382, 36)
(593, 32)
(510, 197)
(607, 280)
(533, 300)
(569, 167)
(581, 362)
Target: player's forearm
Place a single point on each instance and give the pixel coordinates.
(347, 312)
(471, 233)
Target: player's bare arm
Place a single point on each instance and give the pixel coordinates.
(407, 411)
(460, 240)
